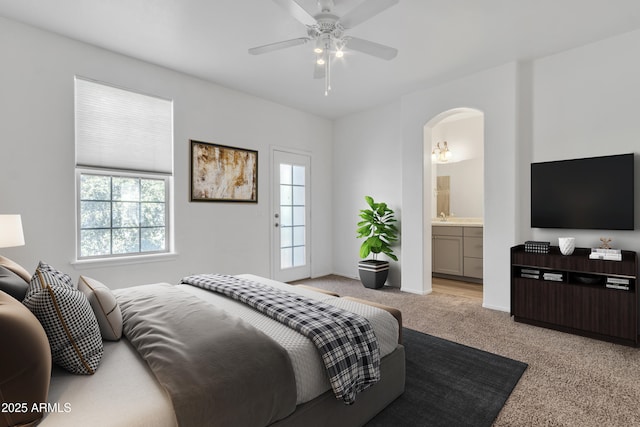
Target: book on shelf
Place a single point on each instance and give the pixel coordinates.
(606, 254)
(618, 283)
(529, 276)
(618, 280)
(617, 286)
(555, 277)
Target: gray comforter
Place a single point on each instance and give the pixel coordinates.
(218, 370)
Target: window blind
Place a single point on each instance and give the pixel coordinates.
(120, 129)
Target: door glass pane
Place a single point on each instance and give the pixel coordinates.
(298, 236)
(286, 238)
(298, 215)
(298, 256)
(286, 214)
(298, 175)
(286, 258)
(285, 174)
(286, 196)
(292, 216)
(298, 196)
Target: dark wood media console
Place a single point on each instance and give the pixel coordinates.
(570, 293)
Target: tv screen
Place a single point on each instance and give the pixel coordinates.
(590, 193)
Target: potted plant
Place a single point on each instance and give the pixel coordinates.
(379, 231)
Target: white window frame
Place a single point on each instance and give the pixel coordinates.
(131, 256)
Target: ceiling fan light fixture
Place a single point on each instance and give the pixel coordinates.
(318, 49)
(327, 31)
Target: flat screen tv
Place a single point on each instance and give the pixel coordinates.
(590, 193)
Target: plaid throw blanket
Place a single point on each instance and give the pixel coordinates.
(345, 340)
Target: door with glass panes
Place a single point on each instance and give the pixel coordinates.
(291, 216)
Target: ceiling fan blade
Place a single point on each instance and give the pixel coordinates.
(297, 11)
(367, 9)
(319, 71)
(371, 48)
(278, 45)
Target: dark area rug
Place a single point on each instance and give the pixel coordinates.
(450, 384)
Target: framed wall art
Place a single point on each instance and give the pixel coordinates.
(223, 174)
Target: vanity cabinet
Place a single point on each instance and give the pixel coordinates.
(473, 252)
(447, 250)
(457, 252)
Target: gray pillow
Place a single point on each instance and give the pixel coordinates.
(12, 284)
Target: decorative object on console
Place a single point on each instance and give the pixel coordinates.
(605, 243)
(379, 231)
(223, 174)
(567, 245)
(537, 247)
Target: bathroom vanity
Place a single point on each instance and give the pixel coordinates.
(457, 249)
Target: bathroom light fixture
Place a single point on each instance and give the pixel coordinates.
(441, 154)
(11, 231)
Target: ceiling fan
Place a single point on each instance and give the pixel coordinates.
(327, 32)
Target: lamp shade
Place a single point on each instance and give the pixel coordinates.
(11, 231)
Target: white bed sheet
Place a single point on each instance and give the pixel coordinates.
(122, 392)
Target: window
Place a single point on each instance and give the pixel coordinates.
(124, 161)
(122, 214)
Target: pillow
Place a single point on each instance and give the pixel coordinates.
(16, 268)
(104, 306)
(12, 284)
(67, 318)
(25, 363)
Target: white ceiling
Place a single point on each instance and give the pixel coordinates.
(437, 40)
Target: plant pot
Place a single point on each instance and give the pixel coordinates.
(373, 273)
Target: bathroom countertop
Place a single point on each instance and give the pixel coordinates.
(457, 222)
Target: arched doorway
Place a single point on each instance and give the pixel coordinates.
(453, 192)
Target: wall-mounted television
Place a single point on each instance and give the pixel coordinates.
(591, 193)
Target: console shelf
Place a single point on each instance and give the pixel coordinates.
(575, 294)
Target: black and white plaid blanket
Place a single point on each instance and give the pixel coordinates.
(345, 340)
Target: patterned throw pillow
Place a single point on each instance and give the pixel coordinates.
(104, 306)
(67, 318)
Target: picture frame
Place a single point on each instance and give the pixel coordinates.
(220, 173)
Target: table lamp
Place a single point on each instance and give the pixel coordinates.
(11, 231)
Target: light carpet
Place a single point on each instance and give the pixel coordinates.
(570, 381)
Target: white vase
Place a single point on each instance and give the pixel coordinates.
(567, 245)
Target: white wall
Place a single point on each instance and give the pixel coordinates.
(395, 132)
(37, 166)
(586, 102)
(366, 162)
(494, 92)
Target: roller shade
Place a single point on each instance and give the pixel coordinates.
(120, 129)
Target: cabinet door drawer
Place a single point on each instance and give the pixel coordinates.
(445, 230)
(473, 267)
(473, 247)
(473, 232)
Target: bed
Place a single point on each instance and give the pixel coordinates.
(123, 390)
